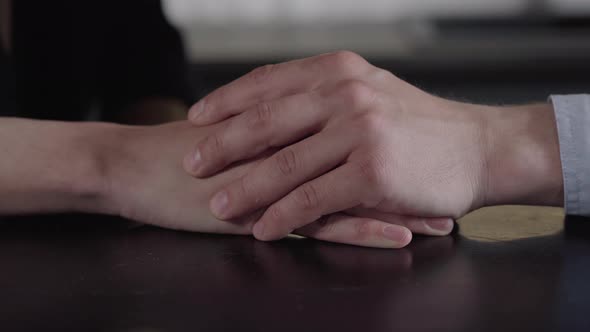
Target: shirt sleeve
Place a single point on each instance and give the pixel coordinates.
(572, 114)
(143, 57)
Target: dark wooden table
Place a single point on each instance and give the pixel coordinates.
(506, 269)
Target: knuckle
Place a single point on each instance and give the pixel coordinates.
(362, 229)
(286, 161)
(384, 75)
(260, 116)
(347, 61)
(307, 197)
(214, 144)
(275, 214)
(212, 152)
(369, 122)
(358, 94)
(249, 197)
(244, 188)
(262, 74)
(212, 149)
(372, 173)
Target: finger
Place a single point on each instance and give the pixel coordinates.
(273, 81)
(366, 232)
(266, 125)
(276, 176)
(425, 226)
(338, 190)
(277, 123)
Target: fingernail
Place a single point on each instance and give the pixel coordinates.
(196, 111)
(196, 162)
(395, 234)
(258, 230)
(192, 162)
(442, 225)
(219, 204)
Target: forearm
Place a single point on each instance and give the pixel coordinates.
(50, 166)
(523, 156)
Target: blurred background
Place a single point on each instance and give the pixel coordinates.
(501, 51)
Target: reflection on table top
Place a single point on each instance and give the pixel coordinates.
(507, 268)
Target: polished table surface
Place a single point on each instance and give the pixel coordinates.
(506, 269)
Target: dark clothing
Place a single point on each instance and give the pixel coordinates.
(7, 87)
(73, 57)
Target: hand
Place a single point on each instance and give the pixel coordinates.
(360, 140)
(146, 183)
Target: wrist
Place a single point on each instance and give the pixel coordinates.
(522, 156)
(91, 183)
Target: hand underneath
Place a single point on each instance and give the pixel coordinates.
(357, 140)
(146, 183)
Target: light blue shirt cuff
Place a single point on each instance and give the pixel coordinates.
(572, 113)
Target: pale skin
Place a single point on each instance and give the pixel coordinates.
(353, 138)
(52, 166)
